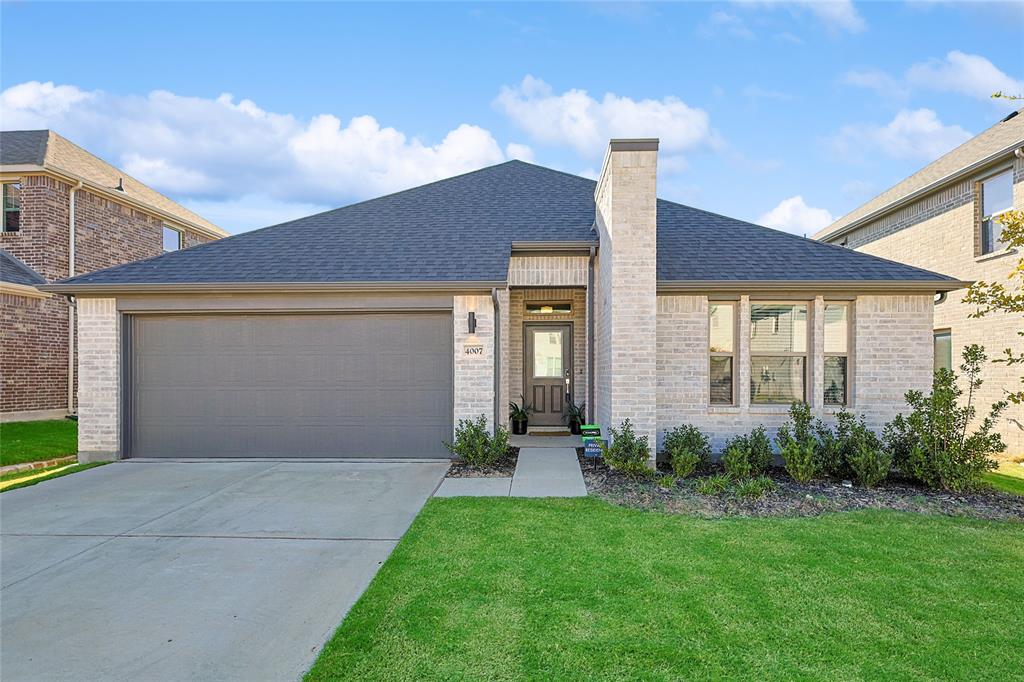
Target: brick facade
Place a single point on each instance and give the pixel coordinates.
(944, 236)
(891, 354)
(474, 372)
(99, 370)
(34, 365)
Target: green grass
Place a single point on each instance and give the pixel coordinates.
(57, 472)
(510, 589)
(35, 441)
(1008, 484)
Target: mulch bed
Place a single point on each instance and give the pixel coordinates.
(503, 468)
(792, 498)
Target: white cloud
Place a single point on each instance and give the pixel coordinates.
(794, 215)
(967, 74)
(917, 135)
(836, 15)
(721, 23)
(576, 119)
(522, 152)
(223, 150)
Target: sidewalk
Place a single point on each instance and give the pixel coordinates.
(540, 472)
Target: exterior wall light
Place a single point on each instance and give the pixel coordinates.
(472, 323)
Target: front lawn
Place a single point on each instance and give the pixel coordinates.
(491, 588)
(36, 441)
(24, 479)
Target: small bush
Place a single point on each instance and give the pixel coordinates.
(760, 449)
(932, 443)
(687, 450)
(801, 458)
(667, 481)
(475, 445)
(870, 464)
(713, 485)
(753, 488)
(737, 458)
(628, 452)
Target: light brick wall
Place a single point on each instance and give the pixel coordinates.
(99, 368)
(474, 374)
(626, 291)
(892, 354)
(943, 236)
(547, 271)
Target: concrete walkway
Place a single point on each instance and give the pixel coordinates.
(540, 472)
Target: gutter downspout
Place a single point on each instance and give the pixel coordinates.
(71, 299)
(497, 359)
(590, 332)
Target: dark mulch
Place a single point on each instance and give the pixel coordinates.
(792, 498)
(503, 468)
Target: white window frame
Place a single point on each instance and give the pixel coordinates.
(848, 354)
(733, 354)
(997, 246)
(806, 355)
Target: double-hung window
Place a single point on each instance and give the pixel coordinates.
(996, 197)
(722, 350)
(12, 208)
(837, 353)
(778, 353)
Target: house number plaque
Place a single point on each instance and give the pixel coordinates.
(474, 350)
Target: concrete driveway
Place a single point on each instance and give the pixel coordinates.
(175, 570)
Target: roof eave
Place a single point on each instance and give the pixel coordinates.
(122, 288)
(825, 236)
(760, 286)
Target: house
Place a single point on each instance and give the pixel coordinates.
(370, 330)
(945, 217)
(65, 213)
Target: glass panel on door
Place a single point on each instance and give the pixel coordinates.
(547, 354)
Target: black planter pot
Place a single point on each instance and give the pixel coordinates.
(519, 427)
(574, 428)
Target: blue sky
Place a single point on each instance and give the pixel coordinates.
(788, 113)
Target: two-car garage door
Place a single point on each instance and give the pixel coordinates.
(305, 385)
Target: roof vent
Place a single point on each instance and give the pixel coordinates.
(120, 185)
(1009, 116)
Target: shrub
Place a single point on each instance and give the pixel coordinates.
(713, 485)
(737, 457)
(628, 452)
(687, 450)
(755, 487)
(801, 458)
(899, 440)
(667, 481)
(934, 439)
(760, 449)
(867, 460)
(475, 445)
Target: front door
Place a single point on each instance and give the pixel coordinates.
(548, 371)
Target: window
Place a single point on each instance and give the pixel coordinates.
(549, 308)
(778, 353)
(943, 350)
(12, 208)
(722, 348)
(172, 239)
(837, 353)
(547, 354)
(996, 197)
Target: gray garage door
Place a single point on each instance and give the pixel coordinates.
(340, 385)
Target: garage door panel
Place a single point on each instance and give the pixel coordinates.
(364, 385)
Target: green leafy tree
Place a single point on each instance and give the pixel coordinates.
(1008, 297)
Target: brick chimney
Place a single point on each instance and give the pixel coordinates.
(625, 293)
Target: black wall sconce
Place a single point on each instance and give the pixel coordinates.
(472, 323)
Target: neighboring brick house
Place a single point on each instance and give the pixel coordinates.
(47, 179)
(371, 330)
(944, 218)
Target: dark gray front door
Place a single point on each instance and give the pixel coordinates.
(548, 371)
(338, 385)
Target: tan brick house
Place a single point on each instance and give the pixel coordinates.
(370, 330)
(66, 212)
(944, 218)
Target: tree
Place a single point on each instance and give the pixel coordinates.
(993, 297)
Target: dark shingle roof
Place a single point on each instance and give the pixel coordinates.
(14, 271)
(462, 229)
(28, 147)
(695, 245)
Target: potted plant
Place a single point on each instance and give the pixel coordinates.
(520, 416)
(575, 415)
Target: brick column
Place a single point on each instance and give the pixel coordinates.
(99, 380)
(474, 370)
(816, 366)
